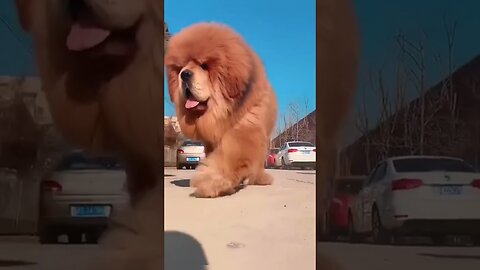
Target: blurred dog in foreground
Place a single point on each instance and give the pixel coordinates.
(101, 63)
(338, 51)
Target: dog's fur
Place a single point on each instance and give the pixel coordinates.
(338, 51)
(101, 102)
(129, 106)
(238, 108)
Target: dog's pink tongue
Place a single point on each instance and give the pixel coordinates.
(191, 104)
(84, 35)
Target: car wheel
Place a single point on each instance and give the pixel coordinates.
(475, 240)
(74, 237)
(322, 230)
(330, 235)
(284, 166)
(398, 239)
(47, 236)
(179, 166)
(92, 237)
(438, 240)
(379, 234)
(353, 236)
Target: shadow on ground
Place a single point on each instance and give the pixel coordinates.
(181, 182)
(450, 256)
(307, 173)
(169, 175)
(14, 263)
(183, 252)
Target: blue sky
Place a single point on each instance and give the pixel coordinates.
(284, 37)
(16, 56)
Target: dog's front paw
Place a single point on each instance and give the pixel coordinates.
(261, 179)
(211, 184)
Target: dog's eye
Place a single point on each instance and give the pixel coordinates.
(175, 69)
(204, 66)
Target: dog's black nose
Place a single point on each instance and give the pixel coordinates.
(186, 75)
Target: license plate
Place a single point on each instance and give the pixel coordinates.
(90, 211)
(450, 190)
(193, 158)
(305, 151)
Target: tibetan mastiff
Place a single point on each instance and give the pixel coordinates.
(223, 98)
(101, 64)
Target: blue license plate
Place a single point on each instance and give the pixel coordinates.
(450, 190)
(193, 158)
(90, 211)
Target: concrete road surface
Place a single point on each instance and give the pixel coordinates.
(24, 253)
(270, 227)
(373, 257)
(260, 227)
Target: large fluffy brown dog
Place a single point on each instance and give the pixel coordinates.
(101, 64)
(124, 113)
(223, 98)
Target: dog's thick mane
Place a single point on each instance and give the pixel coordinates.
(245, 95)
(242, 110)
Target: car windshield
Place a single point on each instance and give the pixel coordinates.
(82, 162)
(192, 143)
(300, 144)
(348, 187)
(431, 165)
(274, 151)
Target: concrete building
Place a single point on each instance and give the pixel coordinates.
(303, 130)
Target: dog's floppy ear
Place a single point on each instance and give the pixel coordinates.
(238, 75)
(23, 11)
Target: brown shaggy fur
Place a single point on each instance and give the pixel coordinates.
(91, 112)
(337, 69)
(240, 107)
(337, 64)
(101, 102)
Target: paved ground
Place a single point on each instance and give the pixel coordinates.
(24, 253)
(373, 257)
(260, 227)
(257, 228)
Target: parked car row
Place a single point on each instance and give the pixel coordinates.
(293, 154)
(431, 196)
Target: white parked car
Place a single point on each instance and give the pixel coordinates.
(296, 154)
(190, 154)
(79, 196)
(418, 195)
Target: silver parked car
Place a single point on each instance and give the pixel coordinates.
(189, 154)
(79, 196)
